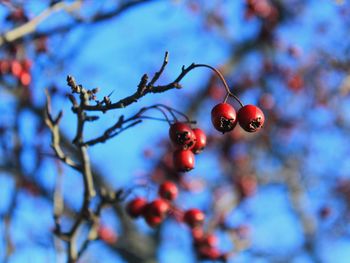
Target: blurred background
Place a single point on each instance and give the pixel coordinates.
(279, 195)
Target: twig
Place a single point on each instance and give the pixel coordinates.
(33, 24)
(52, 123)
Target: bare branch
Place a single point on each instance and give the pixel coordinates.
(33, 24)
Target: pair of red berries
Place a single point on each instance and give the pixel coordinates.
(187, 142)
(154, 212)
(18, 69)
(225, 118)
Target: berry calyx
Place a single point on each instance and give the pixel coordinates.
(136, 206)
(250, 118)
(183, 160)
(201, 140)
(194, 217)
(168, 190)
(182, 136)
(224, 117)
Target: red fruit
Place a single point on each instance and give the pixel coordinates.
(168, 190)
(155, 212)
(16, 68)
(250, 118)
(136, 206)
(153, 221)
(295, 82)
(4, 67)
(201, 140)
(210, 240)
(197, 234)
(223, 117)
(157, 208)
(107, 235)
(183, 160)
(182, 136)
(25, 78)
(26, 64)
(194, 217)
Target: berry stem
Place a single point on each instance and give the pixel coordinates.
(222, 80)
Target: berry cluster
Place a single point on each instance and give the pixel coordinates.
(187, 142)
(225, 118)
(19, 69)
(154, 212)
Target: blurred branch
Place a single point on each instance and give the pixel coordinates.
(33, 24)
(53, 123)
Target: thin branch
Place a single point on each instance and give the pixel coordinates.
(52, 123)
(33, 24)
(149, 88)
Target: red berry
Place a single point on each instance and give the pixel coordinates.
(223, 117)
(16, 68)
(153, 221)
(136, 206)
(157, 208)
(107, 235)
(155, 212)
(26, 64)
(250, 118)
(183, 160)
(4, 67)
(25, 78)
(201, 140)
(168, 190)
(182, 136)
(194, 217)
(210, 240)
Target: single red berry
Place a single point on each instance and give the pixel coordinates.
(4, 67)
(223, 117)
(107, 235)
(182, 136)
(210, 240)
(193, 217)
(183, 160)
(201, 140)
(168, 190)
(25, 78)
(16, 68)
(136, 206)
(158, 208)
(26, 64)
(197, 234)
(153, 221)
(250, 118)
